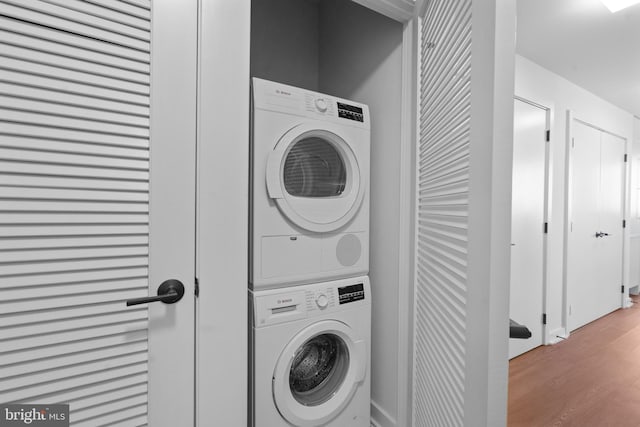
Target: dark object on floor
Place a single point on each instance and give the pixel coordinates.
(517, 330)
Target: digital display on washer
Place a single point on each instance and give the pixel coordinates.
(351, 293)
(350, 112)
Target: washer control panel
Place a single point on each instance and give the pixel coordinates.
(276, 306)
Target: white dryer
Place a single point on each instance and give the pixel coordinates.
(309, 186)
(310, 355)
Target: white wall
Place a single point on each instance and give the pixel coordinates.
(361, 59)
(284, 42)
(544, 87)
(634, 217)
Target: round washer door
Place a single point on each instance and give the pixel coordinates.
(314, 178)
(318, 372)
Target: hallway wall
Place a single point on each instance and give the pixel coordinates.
(544, 87)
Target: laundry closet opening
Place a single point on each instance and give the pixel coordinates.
(346, 50)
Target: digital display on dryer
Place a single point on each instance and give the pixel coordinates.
(350, 112)
(351, 293)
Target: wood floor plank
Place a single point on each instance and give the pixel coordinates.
(590, 380)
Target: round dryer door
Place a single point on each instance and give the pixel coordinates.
(318, 373)
(313, 176)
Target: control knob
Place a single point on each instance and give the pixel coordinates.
(322, 301)
(321, 104)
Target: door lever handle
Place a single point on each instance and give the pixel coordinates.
(601, 234)
(169, 292)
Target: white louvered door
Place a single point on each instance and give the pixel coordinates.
(97, 206)
(442, 204)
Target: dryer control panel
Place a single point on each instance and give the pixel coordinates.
(274, 96)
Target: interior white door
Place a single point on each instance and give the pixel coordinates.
(527, 223)
(611, 215)
(97, 172)
(594, 261)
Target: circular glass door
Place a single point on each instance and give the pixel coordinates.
(313, 167)
(314, 177)
(318, 369)
(318, 372)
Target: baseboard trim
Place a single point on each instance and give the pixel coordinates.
(380, 417)
(557, 335)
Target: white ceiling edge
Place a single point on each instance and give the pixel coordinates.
(399, 10)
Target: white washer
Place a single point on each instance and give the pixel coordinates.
(310, 355)
(309, 186)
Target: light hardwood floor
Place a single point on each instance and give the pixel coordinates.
(590, 380)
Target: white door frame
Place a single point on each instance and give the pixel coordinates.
(546, 211)
(624, 303)
(221, 324)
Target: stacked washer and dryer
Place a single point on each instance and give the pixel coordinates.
(309, 294)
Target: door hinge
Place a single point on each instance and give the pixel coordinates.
(625, 158)
(548, 135)
(624, 223)
(546, 227)
(197, 287)
(544, 318)
(573, 142)
(622, 289)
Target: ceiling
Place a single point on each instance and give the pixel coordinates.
(586, 44)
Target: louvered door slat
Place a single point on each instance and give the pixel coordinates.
(56, 109)
(72, 87)
(42, 156)
(109, 396)
(69, 336)
(71, 242)
(63, 40)
(56, 364)
(91, 395)
(42, 389)
(73, 300)
(46, 170)
(70, 183)
(139, 9)
(24, 330)
(124, 415)
(74, 205)
(101, 342)
(63, 194)
(114, 407)
(144, 4)
(53, 16)
(105, 13)
(72, 230)
(62, 254)
(32, 130)
(59, 122)
(44, 94)
(90, 74)
(130, 274)
(442, 214)
(60, 207)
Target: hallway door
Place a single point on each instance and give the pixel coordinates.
(595, 234)
(97, 207)
(527, 223)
